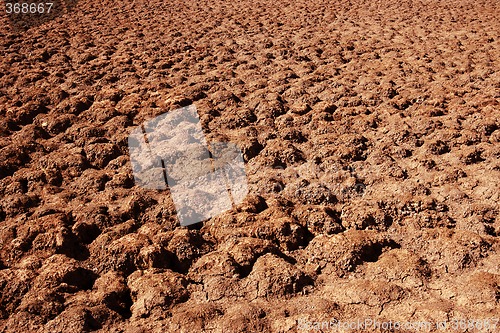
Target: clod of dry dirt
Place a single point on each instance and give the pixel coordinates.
(371, 136)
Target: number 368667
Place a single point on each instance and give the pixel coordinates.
(28, 8)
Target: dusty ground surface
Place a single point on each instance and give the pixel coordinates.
(371, 136)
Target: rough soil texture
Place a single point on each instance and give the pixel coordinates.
(371, 134)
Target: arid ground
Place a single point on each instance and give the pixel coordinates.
(371, 137)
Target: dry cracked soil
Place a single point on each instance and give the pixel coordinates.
(371, 137)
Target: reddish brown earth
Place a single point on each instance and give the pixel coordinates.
(371, 134)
